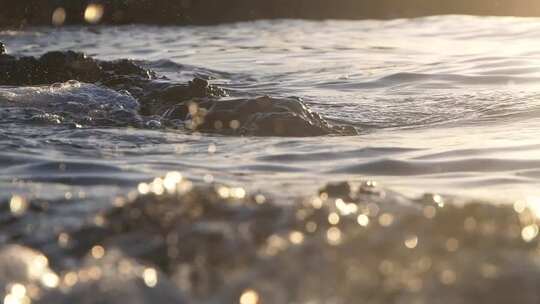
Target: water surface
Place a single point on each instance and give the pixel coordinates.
(447, 105)
(444, 104)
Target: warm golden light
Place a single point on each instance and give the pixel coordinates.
(386, 219)
(18, 205)
(143, 188)
(234, 124)
(59, 16)
(333, 235)
(296, 237)
(150, 277)
(528, 233)
(93, 13)
(363, 220)
(70, 279)
(97, 252)
(333, 218)
(411, 241)
(249, 297)
(50, 280)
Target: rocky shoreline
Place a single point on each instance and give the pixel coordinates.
(38, 12)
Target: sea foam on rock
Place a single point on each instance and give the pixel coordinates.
(197, 103)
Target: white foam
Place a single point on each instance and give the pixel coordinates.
(62, 97)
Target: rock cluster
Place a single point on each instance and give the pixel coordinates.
(197, 103)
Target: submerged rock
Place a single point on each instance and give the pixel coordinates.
(263, 116)
(197, 103)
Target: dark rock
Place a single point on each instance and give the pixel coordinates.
(196, 102)
(213, 248)
(2, 49)
(266, 116)
(342, 189)
(50, 68)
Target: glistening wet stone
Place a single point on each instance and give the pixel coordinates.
(198, 103)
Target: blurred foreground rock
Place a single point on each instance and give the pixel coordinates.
(219, 244)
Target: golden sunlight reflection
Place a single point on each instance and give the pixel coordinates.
(333, 235)
(528, 233)
(411, 241)
(316, 202)
(150, 277)
(363, 220)
(231, 192)
(275, 244)
(386, 219)
(50, 280)
(18, 205)
(18, 290)
(143, 188)
(296, 237)
(97, 252)
(333, 218)
(249, 296)
(224, 192)
(93, 13)
(234, 124)
(260, 199)
(173, 182)
(533, 203)
(58, 16)
(70, 279)
(17, 295)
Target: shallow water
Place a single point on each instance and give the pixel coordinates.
(450, 103)
(445, 105)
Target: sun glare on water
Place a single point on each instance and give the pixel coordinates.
(93, 13)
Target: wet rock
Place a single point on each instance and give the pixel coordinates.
(368, 249)
(2, 49)
(206, 224)
(197, 103)
(217, 244)
(172, 100)
(263, 116)
(342, 189)
(54, 67)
